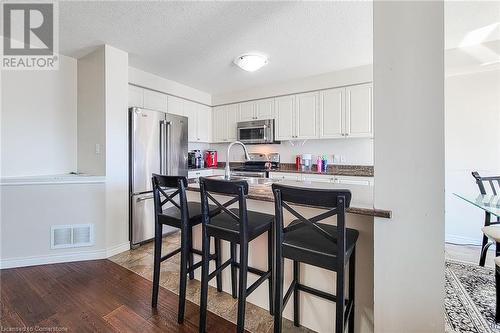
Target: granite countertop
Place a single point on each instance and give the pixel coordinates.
(333, 169)
(362, 196)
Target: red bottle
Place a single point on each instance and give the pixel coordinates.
(298, 162)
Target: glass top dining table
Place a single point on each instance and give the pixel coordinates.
(487, 202)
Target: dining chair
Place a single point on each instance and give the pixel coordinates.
(487, 185)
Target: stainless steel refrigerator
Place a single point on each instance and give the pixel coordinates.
(158, 144)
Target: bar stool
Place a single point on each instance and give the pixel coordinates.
(238, 226)
(183, 215)
(323, 245)
(494, 185)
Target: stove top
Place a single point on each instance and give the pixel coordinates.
(258, 166)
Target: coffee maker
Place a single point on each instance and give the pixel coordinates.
(195, 160)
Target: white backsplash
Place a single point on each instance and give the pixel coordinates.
(352, 151)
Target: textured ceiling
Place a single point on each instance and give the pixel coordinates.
(472, 36)
(194, 43)
(470, 18)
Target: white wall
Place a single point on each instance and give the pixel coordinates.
(408, 78)
(472, 143)
(155, 82)
(116, 88)
(91, 114)
(25, 237)
(38, 130)
(355, 151)
(356, 75)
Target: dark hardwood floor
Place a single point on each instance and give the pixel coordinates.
(92, 296)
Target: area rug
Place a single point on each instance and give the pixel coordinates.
(470, 298)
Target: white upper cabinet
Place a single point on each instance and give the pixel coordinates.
(232, 122)
(225, 119)
(331, 113)
(256, 110)
(219, 124)
(175, 105)
(247, 111)
(135, 96)
(359, 111)
(204, 123)
(306, 116)
(264, 109)
(190, 112)
(285, 117)
(154, 100)
(296, 116)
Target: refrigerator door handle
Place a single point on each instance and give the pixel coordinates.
(162, 147)
(145, 197)
(168, 157)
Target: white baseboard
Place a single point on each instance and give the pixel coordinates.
(462, 240)
(64, 257)
(114, 250)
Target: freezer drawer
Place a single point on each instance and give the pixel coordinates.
(143, 219)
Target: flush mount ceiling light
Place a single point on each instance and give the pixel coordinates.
(251, 62)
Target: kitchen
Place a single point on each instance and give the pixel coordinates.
(262, 126)
(305, 120)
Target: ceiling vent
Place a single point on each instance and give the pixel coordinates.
(74, 235)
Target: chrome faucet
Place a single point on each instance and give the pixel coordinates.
(227, 170)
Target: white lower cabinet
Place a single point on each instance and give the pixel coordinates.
(193, 174)
(354, 180)
(311, 177)
(318, 178)
(218, 172)
(285, 176)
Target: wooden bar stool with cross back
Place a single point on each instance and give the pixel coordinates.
(327, 246)
(238, 226)
(183, 215)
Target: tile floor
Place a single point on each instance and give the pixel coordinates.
(140, 261)
(257, 320)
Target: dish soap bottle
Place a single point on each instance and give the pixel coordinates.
(319, 163)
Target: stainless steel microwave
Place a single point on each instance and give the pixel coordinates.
(257, 131)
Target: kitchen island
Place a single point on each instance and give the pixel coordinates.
(316, 313)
